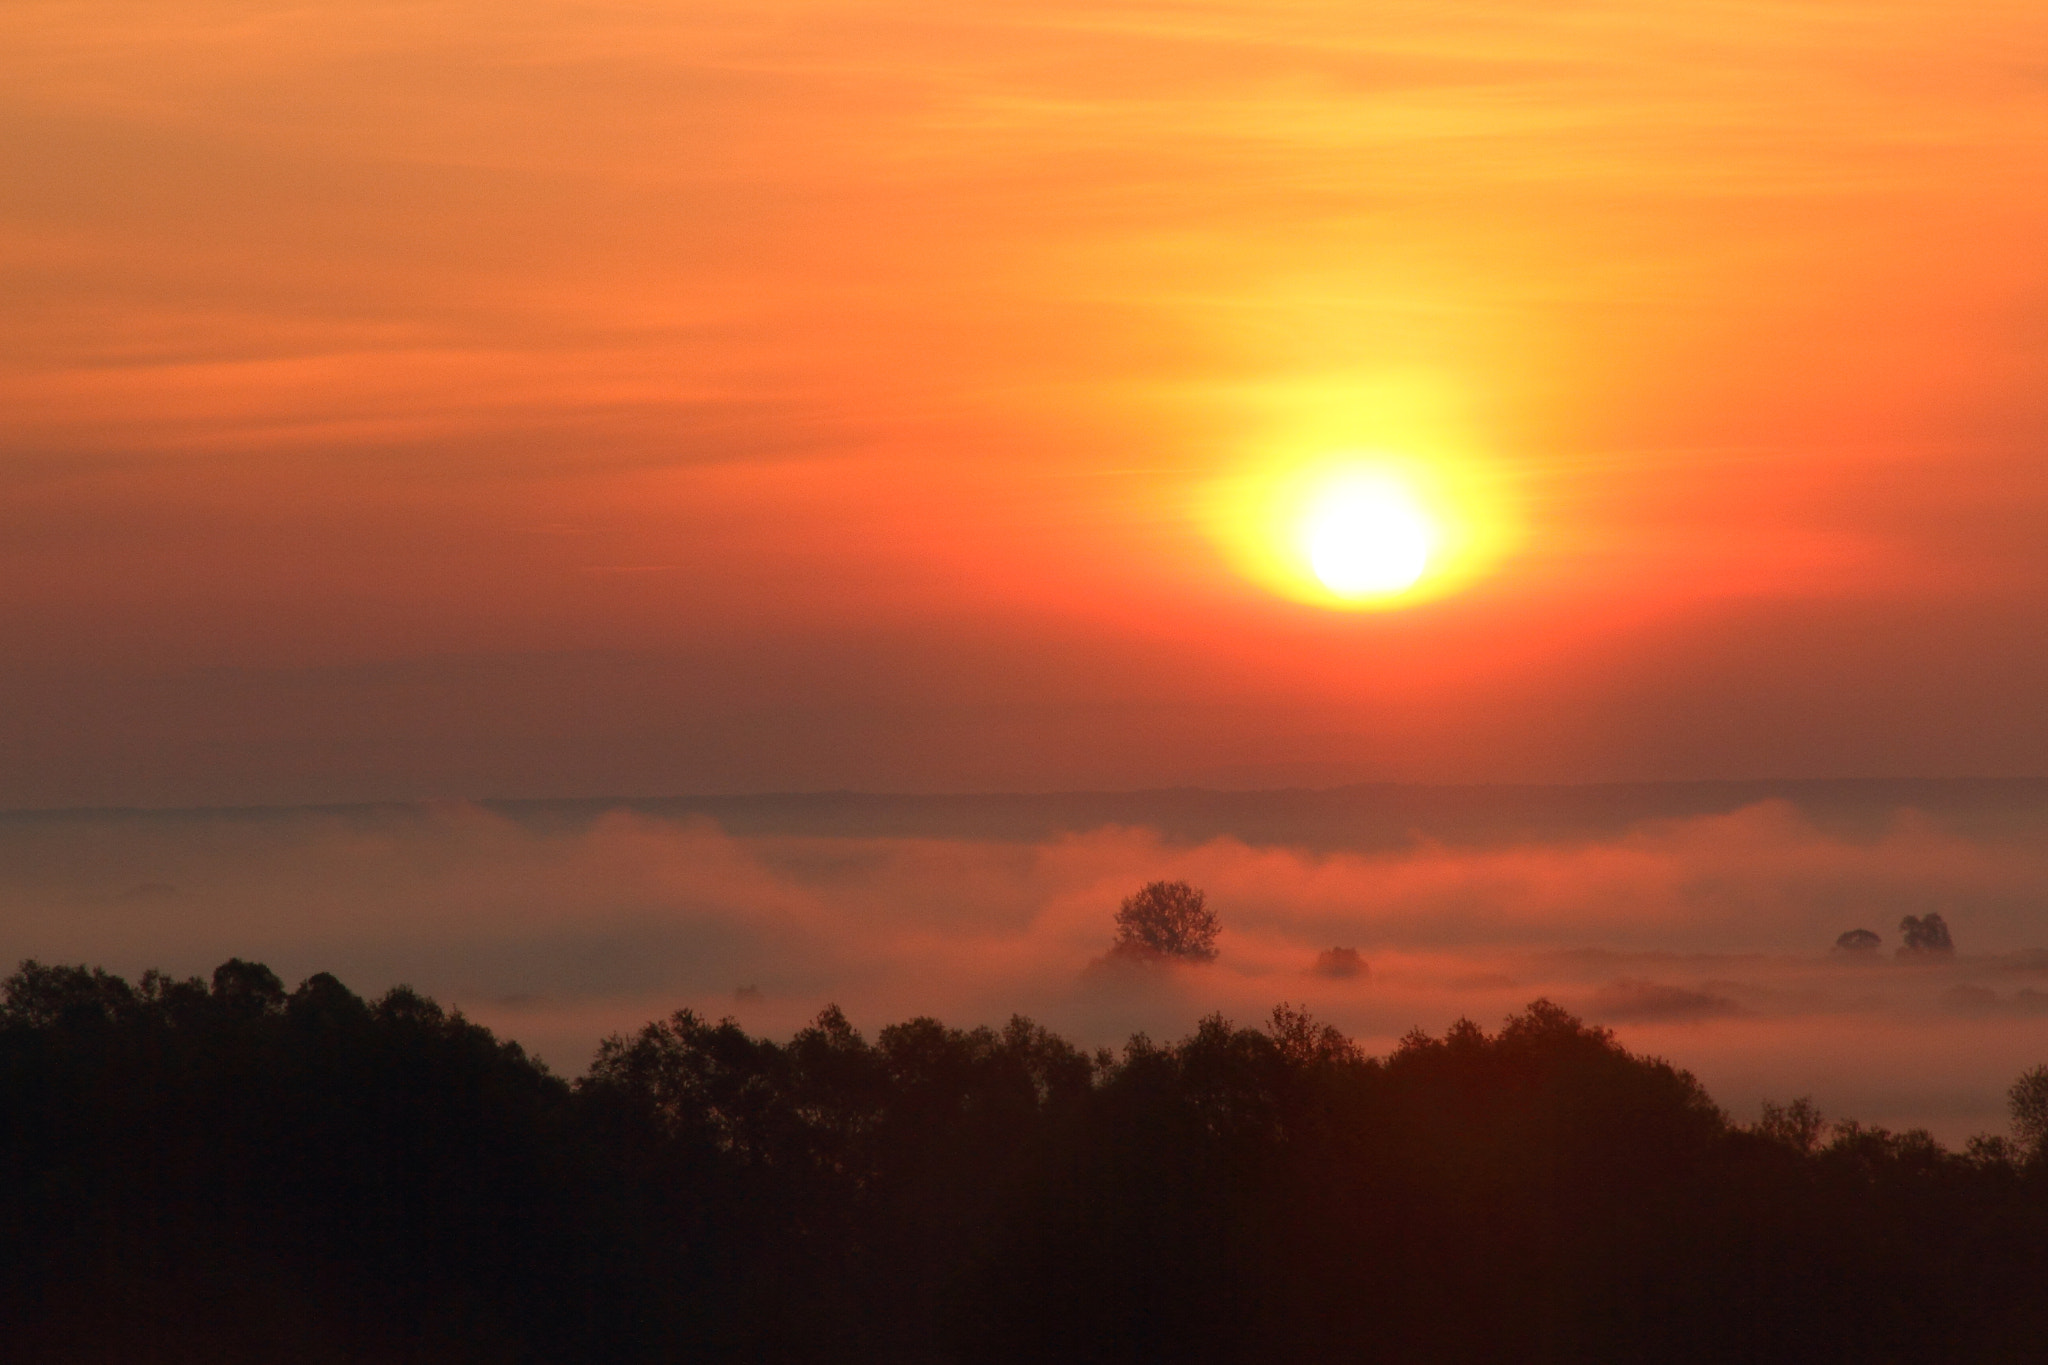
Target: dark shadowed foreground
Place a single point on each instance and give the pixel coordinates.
(227, 1172)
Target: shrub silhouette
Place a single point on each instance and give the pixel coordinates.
(1167, 919)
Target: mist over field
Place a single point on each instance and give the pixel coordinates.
(1695, 920)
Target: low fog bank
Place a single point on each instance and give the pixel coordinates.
(1706, 937)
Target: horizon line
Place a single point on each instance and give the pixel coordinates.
(992, 794)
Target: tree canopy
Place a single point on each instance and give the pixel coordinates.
(224, 1170)
(1925, 935)
(1167, 919)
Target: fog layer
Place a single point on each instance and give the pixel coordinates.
(1706, 938)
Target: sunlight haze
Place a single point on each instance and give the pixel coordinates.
(791, 395)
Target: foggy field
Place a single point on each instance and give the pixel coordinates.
(1696, 920)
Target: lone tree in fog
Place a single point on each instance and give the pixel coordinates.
(1858, 941)
(1926, 936)
(1166, 919)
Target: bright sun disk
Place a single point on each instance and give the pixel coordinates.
(1368, 537)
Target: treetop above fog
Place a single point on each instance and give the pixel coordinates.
(1167, 920)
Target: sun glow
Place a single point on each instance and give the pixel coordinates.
(1362, 530)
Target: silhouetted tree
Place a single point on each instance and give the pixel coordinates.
(1926, 936)
(1167, 919)
(231, 1173)
(248, 988)
(1340, 962)
(2028, 1100)
(40, 997)
(1303, 1041)
(1797, 1125)
(1859, 941)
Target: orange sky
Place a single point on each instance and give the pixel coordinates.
(463, 399)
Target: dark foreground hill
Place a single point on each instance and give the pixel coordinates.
(225, 1172)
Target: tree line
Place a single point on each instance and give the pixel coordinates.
(226, 1170)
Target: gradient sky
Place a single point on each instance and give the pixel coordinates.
(449, 399)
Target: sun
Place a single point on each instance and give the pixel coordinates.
(1366, 536)
(1363, 530)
